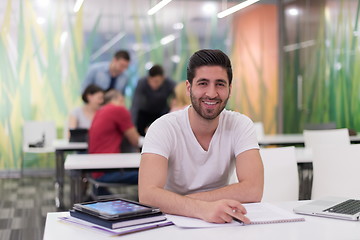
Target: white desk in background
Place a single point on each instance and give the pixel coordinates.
(291, 139)
(313, 228)
(61, 146)
(78, 163)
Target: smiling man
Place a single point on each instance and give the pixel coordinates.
(189, 155)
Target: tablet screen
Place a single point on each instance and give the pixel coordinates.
(115, 207)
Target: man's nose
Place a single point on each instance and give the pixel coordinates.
(211, 91)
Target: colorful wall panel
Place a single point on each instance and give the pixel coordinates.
(321, 64)
(255, 64)
(43, 58)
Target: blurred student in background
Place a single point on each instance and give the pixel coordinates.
(150, 99)
(180, 99)
(109, 75)
(111, 124)
(81, 117)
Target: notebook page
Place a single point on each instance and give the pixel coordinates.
(258, 213)
(262, 213)
(188, 222)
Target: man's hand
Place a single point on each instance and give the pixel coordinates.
(222, 211)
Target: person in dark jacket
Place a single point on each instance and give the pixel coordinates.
(150, 99)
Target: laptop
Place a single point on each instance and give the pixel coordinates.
(78, 135)
(332, 207)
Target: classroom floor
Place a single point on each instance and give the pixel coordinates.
(24, 203)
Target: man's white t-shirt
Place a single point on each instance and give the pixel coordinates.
(190, 168)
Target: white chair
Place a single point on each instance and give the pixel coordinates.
(336, 171)
(259, 129)
(281, 180)
(314, 139)
(324, 137)
(38, 137)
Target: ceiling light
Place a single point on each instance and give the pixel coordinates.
(236, 8)
(293, 12)
(178, 26)
(175, 58)
(209, 8)
(158, 6)
(107, 45)
(78, 5)
(167, 39)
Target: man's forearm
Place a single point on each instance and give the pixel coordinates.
(220, 211)
(243, 192)
(171, 203)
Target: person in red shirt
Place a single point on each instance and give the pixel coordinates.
(110, 125)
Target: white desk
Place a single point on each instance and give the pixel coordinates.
(78, 163)
(83, 162)
(291, 139)
(64, 144)
(102, 161)
(312, 228)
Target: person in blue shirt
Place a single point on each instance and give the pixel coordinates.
(109, 75)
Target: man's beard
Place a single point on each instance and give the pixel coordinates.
(208, 114)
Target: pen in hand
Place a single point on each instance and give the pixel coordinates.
(234, 210)
(238, 220)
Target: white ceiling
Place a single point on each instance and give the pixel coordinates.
(125, 15)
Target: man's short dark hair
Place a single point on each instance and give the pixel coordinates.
(156, 70)
(91, 89)
(122, 54)
(208, 57)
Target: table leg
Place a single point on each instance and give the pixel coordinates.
(59, 182)
(76, 186)
(305, 180)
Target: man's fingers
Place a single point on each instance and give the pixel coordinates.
(237, 206)
(235, 213)
(227, 218)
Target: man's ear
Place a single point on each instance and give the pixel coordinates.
(188, 86)
(230, 87)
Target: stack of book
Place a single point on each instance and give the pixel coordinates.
(118, 223)
(118, 213)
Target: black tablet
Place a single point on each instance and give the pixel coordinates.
(116, 209)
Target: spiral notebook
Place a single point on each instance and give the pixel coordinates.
(258, 213)
(264, 213)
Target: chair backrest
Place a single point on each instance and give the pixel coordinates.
(336, 171)
(281, 178)
(35, 131)
(259, 129)
(325, 137)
